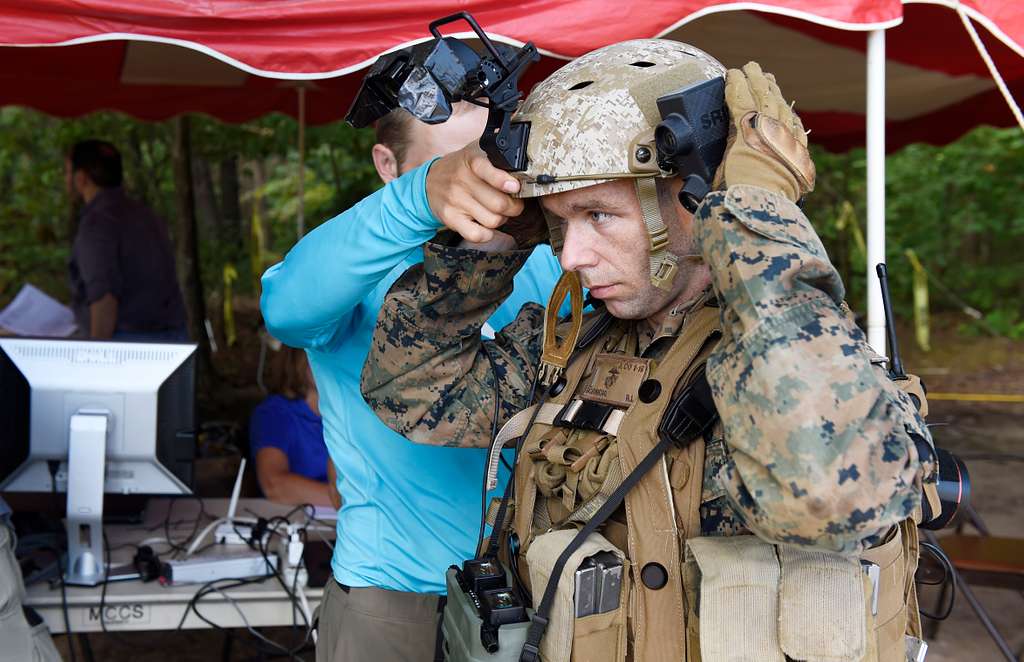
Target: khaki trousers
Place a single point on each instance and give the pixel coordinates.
(375, 625)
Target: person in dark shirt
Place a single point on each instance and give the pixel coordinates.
(286, 436)
(123, 280)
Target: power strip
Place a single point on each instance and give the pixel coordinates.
(207, 569)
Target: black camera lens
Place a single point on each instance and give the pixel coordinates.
(673, 136)
(954, 488)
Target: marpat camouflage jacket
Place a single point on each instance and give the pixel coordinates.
(817, 448)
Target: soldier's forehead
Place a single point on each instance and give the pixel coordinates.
(615, 196)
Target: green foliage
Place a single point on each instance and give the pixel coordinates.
(960, 207)
(37, 217)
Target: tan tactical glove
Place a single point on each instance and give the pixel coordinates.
(767, 145)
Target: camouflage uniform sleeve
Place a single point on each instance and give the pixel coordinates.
(429, 376)
(819, 451)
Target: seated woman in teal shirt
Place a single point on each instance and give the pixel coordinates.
(286, 435)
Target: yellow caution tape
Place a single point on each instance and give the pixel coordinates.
(256, 240)
(848, 219)
(230, 274)
(922, 329)
(977, 397)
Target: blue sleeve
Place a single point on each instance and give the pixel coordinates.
(308, 296)
(268, 427)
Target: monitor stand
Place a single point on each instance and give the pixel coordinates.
(87, 450)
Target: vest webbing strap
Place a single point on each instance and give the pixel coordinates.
(687, 417)
(545, 414)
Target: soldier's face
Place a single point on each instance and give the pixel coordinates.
(605, 241)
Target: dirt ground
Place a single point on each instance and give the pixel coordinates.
(969, 429)
(972, 429)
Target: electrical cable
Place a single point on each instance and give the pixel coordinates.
(241, 614)
(210, 527)
(295, 586)
(248, 626)
(299, 603)
(54, 466)
(260, 528)
(64, 602)
(950, 577)
(494, 434)
(270, 526)
(258, 536)
(177, 547)
(103, 603)
(210, 587)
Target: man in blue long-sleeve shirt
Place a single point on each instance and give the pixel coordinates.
(405, 506)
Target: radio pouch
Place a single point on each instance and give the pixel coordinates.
(460, 625)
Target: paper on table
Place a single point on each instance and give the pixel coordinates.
(35, 313)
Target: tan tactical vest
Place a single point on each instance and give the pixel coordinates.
(757, 601)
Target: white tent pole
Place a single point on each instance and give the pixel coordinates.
(996, 76)
(300, 222)
(876, 185)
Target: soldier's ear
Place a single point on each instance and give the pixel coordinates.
(385, 162)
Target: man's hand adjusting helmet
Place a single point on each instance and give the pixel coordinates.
(767, 142)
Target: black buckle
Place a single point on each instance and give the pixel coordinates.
(531, 647)
(691, 414)
(530, 653)
(588, 415)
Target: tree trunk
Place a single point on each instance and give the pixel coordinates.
(230, 203)
(139, 179)
(208, 216)
(187, 244)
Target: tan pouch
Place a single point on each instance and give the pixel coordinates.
(600, 637)
(822, 607)
(737, 598)
(758, 601)
(594, 638)
(891, 617)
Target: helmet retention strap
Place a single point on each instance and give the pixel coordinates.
(663, 263)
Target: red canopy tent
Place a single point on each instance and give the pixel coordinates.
(237, 60)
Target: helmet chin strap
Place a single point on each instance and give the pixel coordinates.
(664, 265)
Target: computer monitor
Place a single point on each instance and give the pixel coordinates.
(109, 416)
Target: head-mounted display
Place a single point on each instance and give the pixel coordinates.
(428, 78)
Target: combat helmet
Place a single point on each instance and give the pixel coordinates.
(593, 121)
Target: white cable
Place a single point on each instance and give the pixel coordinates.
(1000, 83)
(202, 534)
(305, 606)
(210, 527)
